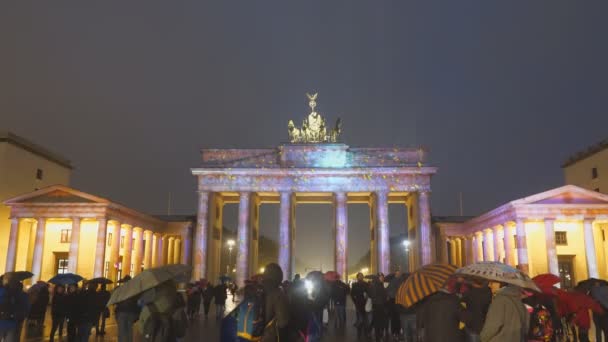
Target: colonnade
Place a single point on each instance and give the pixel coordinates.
(140, 248)
(208, 236)
(508, 243)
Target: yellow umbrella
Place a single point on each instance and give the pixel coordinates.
(423, 282)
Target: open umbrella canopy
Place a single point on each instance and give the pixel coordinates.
(546, 281)
(422, 283)
(586, 285)
(497, 271)
(148, 279)
(331, 276)
(65, 279)
(100, 280)
(19, 275)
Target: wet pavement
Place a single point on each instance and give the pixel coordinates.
(200, 329)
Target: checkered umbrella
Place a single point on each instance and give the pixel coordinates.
(149, 279)
(422, 283)
(497, 271)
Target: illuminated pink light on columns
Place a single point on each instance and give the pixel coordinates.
(74, 241)
(497, 244)
(100, 248)
(424, 208)
(285, 238)
(200, 242)
(590, 248)
(522, 245)
(11, 253)
(243, 235)
(38, 249)
(341, 234)
(384, 252)
(148, 249)
(187, 245)
(115, 251)
(551, 250)
(508, 243)
(127, 251)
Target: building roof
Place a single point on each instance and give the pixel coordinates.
(29, 146)
(176, 218)
(588, 152)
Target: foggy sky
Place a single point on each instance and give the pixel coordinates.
(501, 92)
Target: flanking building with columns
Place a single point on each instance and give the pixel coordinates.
(58, 229)
(561, 231)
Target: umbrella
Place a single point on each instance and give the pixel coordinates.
(65, 279)
(148, 279)
(19, 275)
(225, 279)
(497, 271)
(100, 280)
(422, 283)
(586, 285)
(331, 276)
(546, 281)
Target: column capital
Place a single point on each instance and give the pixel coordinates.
(138, 229)
(588, 219)
(549, 219)
(76, 218)
(340, 195)
(15, 219)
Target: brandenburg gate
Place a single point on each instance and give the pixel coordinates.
(313, 168)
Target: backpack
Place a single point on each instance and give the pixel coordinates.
(8, 305)
(541, 325)
(250, 319)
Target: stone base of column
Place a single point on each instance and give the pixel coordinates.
(524, 268)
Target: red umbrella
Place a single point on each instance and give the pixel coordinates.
(578, 303)
(332, 276)
(546, 281)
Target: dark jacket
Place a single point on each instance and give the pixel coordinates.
(357, 294)
(377, 293)
(59, 306)
(438, 318)
(208, 293)
(276, 313)
(220, 295)
(102, 297)
(477, 301)
(339, 292)
(39, 303)
(507, 318)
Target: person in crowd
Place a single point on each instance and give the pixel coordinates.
(233, 287)
(507, 318)
(14, 308)
(87, 300)
(438, 317)
(275, 307)
(163, 316)
(299, 310)
(208, 295)
(194, 301)
(476, 302)
(103, 296)
(126, 314)
(393, 308)
(379, 299)
(359, 296)
(73, 311)
(39, 300)
(220, 296)
(599, 293)
(339, 292)
(59, 308)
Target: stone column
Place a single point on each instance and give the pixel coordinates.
(341, 238)
(100, 248)
(138, 242)
(508, 243)
(201, 237)
(38, 249)
(373, 229)
(488, 254)
(590, 248)
(285, 238)
(74, 242)
(453, 257)
(522, 245)
(384, 248)
(243, 235)
(551, 250)
(11, 253)
(156, 250)
(424, 208)
(164, 257)
(470, 250)
(148, 250)
(479, 246)
(170, 249)
(127, 251)
(177, 245)
(443, 246)
(474, 248)
(254, 225)
(498, 246)
(115, 252)
(186, 246)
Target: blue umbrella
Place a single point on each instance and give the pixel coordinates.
(65, 279)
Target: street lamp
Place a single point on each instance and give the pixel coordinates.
(230, 244)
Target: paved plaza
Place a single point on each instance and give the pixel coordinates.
(199, 330)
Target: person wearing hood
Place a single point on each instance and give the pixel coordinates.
(438, 318)
(507, 319)
(276, 306)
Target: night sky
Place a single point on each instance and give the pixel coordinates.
(501, 92)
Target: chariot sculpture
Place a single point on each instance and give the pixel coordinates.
(314, 127)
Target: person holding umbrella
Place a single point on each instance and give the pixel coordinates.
(126, 313)
(14, 305)
(102, 297)
(58, 311)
